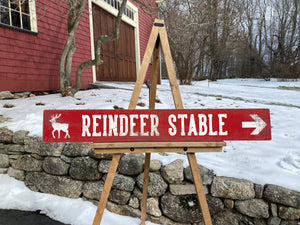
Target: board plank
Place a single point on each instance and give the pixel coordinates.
(156, 125)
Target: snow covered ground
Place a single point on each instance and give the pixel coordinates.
(276, 161)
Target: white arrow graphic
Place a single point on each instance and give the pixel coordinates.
(258, 124)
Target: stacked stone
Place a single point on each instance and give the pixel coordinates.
(4, 95)
(73, 170)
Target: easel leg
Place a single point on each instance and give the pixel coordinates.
(152, 97)
(145, 188)
(106, 189)
(199, 188)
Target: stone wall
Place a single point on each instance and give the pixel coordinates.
(73, 170)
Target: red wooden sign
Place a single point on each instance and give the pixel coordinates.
(156, 125)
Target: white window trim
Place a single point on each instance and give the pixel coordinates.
(126, 19)
(32, 12)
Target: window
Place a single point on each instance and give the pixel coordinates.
(18, 13)
(116, 4)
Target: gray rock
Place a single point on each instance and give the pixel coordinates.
(181, 209)
(104, 166)
(123, 210)
(15, 149)
(19, 136)
(123, 183)
(100, 156)
(17, 174)
(93, 189)
(3, 170)
(22, 94)
(55, 166)
(6, 135)
(230, 218)
(35, 144)
(57, 185)
(157, 186)
(289, 222)
(289, 213)
(153, 207)
(134, 202)
(155, 165)
(66, 159)
(233, 188)
(4, 161)
(131, 164)
(137, 193)
(274, 221)
(215, 205)
(173, 172)
(119, 197)
(38, 157)
(273, 208)
(77, 149)
(281, 195)
(6, 95)
(229, 203)
(259, 189)
(126, 210)
(27, 163)
(256, 208)
(182, 189)
(84, 168)
(207, 175)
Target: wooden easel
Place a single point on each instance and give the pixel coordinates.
(158, 38)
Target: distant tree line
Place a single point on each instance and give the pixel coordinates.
(213, 39)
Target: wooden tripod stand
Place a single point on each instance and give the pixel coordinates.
(158, 38)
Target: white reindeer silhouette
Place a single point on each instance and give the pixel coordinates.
(59, 126)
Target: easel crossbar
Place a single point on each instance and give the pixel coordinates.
(157, 150)
(157, 145)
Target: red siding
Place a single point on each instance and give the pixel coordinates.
(145, 27)
(30, 62)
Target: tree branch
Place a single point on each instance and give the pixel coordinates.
(102, 39)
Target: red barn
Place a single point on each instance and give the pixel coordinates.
(33, 34)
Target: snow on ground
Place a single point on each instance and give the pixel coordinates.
(276, 161)
(15, 195)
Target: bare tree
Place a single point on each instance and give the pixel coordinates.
(65, 66)
(76, 8)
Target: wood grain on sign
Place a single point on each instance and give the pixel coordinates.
(156, 125)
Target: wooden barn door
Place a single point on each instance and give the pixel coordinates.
(118, 56)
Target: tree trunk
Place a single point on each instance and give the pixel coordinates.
(65, 66)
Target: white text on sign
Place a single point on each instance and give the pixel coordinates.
(148, 124)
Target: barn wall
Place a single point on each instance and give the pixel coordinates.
(30, 61)
(145, 26)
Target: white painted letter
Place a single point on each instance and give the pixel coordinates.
(154, 124)
(202, 124)
(132, 124)
(192, 127)
(95, 125)
(104, 118)
(173, 130)
(143, 124)
(221, 124)
(210, 124)
(86, 122)
(182, 117)
(123, 125)
(113, 125)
